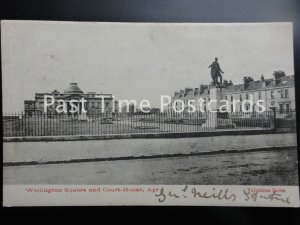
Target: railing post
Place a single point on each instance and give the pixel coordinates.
(274, 118)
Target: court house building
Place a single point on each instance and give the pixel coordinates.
(95, 103)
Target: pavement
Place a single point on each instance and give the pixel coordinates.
(68, 151)
(272, 167)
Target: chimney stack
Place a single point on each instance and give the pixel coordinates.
(225, 83)
(187, 90)
(201, 88)
(262, 80)
(277, 75)
(247, 80)
(181, 92)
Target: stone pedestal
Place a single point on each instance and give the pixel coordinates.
(216, 119)
(212, 118)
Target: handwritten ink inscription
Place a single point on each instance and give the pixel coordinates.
(273, 196)
(221, 194)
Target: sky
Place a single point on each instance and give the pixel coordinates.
(135, 60)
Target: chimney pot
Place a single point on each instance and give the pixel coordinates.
(247, 80)
(277, 75)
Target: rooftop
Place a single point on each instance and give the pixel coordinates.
(256, 85)
(73, 89)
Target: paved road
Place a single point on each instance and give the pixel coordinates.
(249, 168)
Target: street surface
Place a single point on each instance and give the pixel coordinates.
(248, 168)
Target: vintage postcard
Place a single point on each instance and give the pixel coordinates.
(148, 114)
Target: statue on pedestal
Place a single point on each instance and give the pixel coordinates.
(215, 72)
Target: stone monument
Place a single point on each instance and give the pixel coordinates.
(216, 119)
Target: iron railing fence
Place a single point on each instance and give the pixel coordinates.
(285, 120)
(51, 124)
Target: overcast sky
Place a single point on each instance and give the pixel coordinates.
(135, 61)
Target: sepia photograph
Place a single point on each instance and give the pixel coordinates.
(149, 104)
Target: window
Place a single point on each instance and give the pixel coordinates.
(280, 108)
(282, 93)
(287, 108)
(259, 95)
(231, 97)
(272, 94)
(286, 93)
(247, 96)
(241, 98)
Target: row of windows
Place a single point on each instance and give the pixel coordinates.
(41, 104)
(284, 93)
(284, 108)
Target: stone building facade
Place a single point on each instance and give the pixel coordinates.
(277, 92)
(94, 102)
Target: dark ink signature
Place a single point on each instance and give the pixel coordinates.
(219, 194)
(224, 194)
(274, 196)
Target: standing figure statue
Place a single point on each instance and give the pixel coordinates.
(215, 72)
